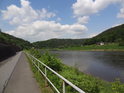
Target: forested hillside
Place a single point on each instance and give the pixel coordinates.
(11, 40)
(9, 45)
(58, 43)
(112, 35)
(115, 34)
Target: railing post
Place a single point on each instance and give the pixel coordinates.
(38, 68)
(46, 76)
(63, 86)
(32, 62)
(45, 72)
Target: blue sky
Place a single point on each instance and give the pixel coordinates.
(36, 20)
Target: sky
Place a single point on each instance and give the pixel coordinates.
(38, 20)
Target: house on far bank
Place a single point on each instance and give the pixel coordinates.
(101, 43)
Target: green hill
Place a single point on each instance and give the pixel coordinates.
(112, 35)
(9, 45)
(11, 40)
(58, 43)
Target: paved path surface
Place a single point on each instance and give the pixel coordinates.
(22, 80)
(6, 69)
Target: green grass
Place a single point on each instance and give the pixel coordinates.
(107, 47)
(86, 82)
(40, 79)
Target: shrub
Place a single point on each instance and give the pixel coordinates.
(117, 87)
(86, 82)
(52, 61)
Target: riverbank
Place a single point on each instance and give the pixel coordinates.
(108, 47)
(86, 82)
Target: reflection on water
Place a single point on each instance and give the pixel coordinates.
(105, 65)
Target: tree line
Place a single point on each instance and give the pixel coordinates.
(112, 35)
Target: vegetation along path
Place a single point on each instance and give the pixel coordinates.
(22, 80)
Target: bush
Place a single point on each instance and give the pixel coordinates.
(52, 61)
(35, 53)
(86, 82)
(117, 87)
(48, 59)
(121, 43)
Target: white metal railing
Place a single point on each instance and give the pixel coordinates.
(61, 77)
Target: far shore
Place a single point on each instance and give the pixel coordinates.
(107, 47)
(86, 50)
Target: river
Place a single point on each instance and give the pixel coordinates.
(105, 65)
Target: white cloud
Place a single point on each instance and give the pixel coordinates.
(88, 7)
(59, 19)
(43, 30)
(83, 20)
(25, 3)
(121, 14)
(116, 25)
(93, 35)
(33, 25)
(25, 14)
(45, 14)
(82, 9)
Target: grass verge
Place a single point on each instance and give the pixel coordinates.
(107, 47)
(86, 82)
(40, 79)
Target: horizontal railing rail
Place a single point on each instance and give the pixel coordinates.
(58, 75)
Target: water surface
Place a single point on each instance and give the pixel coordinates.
(105, 65)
